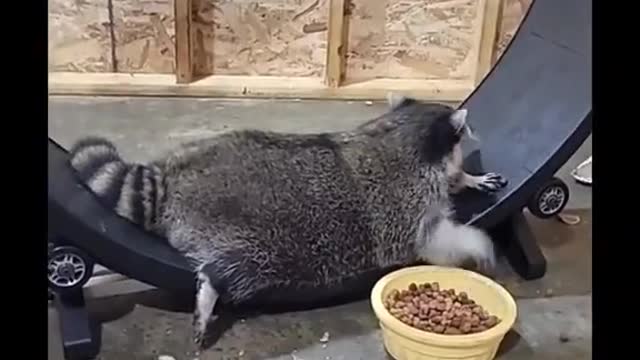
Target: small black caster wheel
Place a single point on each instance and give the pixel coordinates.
(550, 200)
(68, 268)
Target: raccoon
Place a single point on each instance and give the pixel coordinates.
(256, 210)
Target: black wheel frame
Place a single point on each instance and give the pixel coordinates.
(554, 191)
(68, 264)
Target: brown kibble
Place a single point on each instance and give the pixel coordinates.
(448, 305)
(491, 321)
(413, 309)
(448, 315)
(427, 308)
(465, 328)
(449, 301)
(452, 331)
(456, 321)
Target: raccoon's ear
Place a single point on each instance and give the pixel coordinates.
(459, 119)
(394, 100)
(459, 122)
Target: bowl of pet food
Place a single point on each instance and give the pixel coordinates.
(432, 312)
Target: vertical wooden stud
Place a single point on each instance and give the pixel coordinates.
(184, 45)
(490, 30)
(336, 42)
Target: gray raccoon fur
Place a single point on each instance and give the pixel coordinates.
(256, 209)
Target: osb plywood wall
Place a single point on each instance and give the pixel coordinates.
(144, 35)
(424, 39)
(79, 36)
(266, 37)
(83, 38)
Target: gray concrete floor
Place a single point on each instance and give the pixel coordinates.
(144, 326)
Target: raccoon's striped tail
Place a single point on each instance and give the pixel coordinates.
(132, 190)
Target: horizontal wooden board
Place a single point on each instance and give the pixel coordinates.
(253, 86)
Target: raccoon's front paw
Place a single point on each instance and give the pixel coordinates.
(491, 182)
(200, 325)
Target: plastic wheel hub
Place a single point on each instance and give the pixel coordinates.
(551, 200)
(66, 270)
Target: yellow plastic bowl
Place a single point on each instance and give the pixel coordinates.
(404, 342)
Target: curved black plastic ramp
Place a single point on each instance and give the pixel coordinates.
(533, 110)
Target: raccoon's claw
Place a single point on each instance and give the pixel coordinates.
(487, 268)
(198, 338)
(491, 182)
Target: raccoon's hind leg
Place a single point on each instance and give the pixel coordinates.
(489, 182)
(206, 298)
